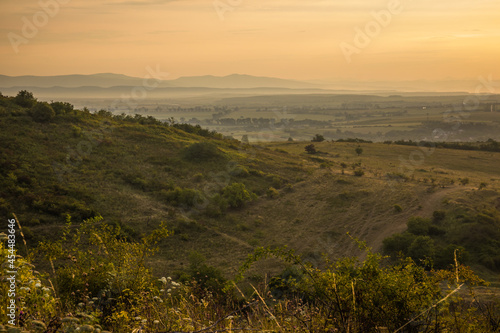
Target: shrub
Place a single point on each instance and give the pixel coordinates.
(359, 172)
(185, 197)
(272, 193)
(42, 112)
(25, 99)
(237, 195)
(358, 150)
(202, 151)
(418, 226)
(422, 248)
(62, 108)
(438, 216)
(95, 260)
(310, 149)
(198, 178)
(398, 208)
(318, 138)
(398, 243)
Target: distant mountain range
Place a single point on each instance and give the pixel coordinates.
(109, 85)
(107, 80)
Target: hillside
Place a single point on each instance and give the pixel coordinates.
(156, 199)
(137, 172)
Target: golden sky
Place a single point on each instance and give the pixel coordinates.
(413, 39)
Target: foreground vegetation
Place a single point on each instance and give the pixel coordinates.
(102, 282)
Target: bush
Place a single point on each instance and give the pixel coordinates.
(62, 108)
(202, 151)
(418, 226)
(359, 150)
(25, 99)
(184, 197)
(438, 216)
(272, 193)
(359, 172)
(42, 112)
(95, 260)
(422, 248)
(237, 195)
(310, 149)
(398, 208)
(318, 138)
(398, 243)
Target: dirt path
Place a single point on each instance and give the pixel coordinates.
(432, 203)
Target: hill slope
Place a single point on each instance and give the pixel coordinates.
(137, 172)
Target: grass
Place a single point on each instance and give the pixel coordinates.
(129, 165)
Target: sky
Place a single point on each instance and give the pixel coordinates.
(304, 40)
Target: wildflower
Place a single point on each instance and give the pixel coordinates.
(163, 280)
(95, 299)
(169, 279)
(162, 290)
(169, 290)
(81, 305)
(137, 318)
(144, 321)
(38, 285)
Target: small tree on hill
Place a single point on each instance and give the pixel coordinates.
(310, 149)
(343, 166)
(25, 99)
(359, 150)
(318, 138)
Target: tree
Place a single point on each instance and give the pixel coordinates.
(25, 99)
(422, 248)
(343, 165)
(318, 138)
(62, 107)
(359, 150)
(310, 149)
(42, 112)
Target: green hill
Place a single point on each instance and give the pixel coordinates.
(136, 172)
(81, 182)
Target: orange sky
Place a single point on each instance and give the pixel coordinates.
(425, 39)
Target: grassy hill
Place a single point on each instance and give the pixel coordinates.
(137, 172)
(223, 201)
